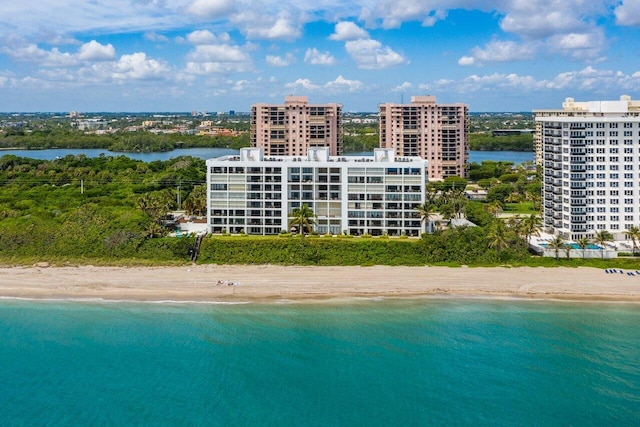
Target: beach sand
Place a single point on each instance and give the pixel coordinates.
(268, 282)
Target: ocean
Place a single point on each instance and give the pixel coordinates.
(377, 362)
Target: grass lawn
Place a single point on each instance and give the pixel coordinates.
(520, 208)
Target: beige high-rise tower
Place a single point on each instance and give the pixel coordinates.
(435, 132)
(291, 128)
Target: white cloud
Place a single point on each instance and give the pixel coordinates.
(152, 36)
(210, 9)
(46, 58)
(94, 51)
(392, 13)
(280, 61)
(208, 59)
(314, 57)
(580, 46)
(504, 51)
(207, 37)
(302, 84)
(346, 31)
(138, 67)
(256, 25)
(340, 84)
(370, 54)
(466, 60)
(403, 87)
(628, 13)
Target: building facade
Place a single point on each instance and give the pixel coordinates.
(290, 129)
(591, 167)
(254, 193)
(438, 133)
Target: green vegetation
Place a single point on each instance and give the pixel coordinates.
(461, 246)
(120, 141)
(110, 210)
(93, 210)
(487, 142)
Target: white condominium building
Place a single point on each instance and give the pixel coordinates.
(591, 167)
(438, 133)
(291, 128)
(254, 193)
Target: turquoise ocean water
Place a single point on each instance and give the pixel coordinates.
(358, 363)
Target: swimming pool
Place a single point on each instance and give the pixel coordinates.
(575, 246)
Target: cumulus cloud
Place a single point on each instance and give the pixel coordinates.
(302, 84)
(339, 85)
(88, 52)
(94, 51)
(628, 13)
(370, 54)
(280, 61)
(500, 51)
(257, 25)
(138, 67)
(366, 52)
(392, 13)
(579, 46)
(346, 31)
(466, 60)
(210, 9)
(223, 58)
(314, 57)
(207, 37)
(590, 81)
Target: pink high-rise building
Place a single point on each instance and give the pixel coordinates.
(435, 132)
(291, 128)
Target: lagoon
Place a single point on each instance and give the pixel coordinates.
(516, 157)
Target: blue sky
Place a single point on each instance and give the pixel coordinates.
(220, 55)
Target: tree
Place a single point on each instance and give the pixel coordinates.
(633, 233)
(494, 208)
(425, 210)
(583, 243)
(498, 236)
(601, 239)
(196, 202)
(530, 226)
(556, 244)
(303, 219)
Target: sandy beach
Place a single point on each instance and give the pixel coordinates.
(267, 282)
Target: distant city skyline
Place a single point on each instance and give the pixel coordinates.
(221, 55)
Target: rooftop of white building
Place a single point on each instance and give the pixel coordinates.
(319, 155)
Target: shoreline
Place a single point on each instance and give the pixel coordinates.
(274, 284)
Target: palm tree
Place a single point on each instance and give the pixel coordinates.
(633, 233)
(568, 247)
(556, 244)
(530, 226)
(425, 210)
(601, 239)
(494, 208)
(303, 218)
(196, 202)
(583, 243)
(498, 236)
